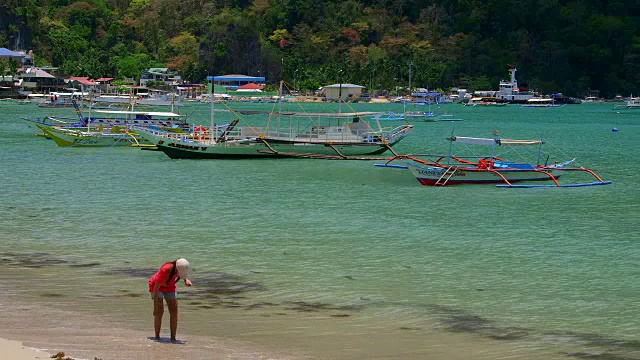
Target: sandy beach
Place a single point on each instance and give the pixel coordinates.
(17, 351)
(32, 331)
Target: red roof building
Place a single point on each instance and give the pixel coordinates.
(250, 86)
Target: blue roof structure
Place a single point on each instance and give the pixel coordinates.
(4, 52)
(233, 82)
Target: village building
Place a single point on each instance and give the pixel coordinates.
(348, 92)
(160, 74)
(35, 79)
(84, 84)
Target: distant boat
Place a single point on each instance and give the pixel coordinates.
(484, 101)
(540, 103)
(418, 114)
(509, 91)
(633, 103)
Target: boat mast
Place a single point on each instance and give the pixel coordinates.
(340, 93)
(213, 131)
(493, 146)
(539, 151)
(279, 106)
(410, 68)
(89, 117)
(451, 144)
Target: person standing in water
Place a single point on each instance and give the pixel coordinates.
(162, 285)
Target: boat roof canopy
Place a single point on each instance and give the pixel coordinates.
(149, 113)
(491, 141)
(310, 114)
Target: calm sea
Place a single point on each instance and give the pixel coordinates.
(338, 259)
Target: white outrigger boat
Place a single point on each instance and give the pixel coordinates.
(444, 170)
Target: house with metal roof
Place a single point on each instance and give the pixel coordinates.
(348, 92)
(38, 79)
(234, 81)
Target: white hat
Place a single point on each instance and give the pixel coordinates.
(182, 265)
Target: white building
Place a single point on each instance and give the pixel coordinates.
(348, 92)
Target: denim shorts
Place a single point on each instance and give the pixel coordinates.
(165, 295)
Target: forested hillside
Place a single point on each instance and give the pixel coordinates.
(570, 46)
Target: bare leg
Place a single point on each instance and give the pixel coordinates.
(158, 310)
(173, 317)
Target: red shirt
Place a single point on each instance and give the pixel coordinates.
(161, 276)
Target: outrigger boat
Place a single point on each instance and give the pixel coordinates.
(443, 170)
(284, 134)
(115, 136)
(295, 135)
(109, 128)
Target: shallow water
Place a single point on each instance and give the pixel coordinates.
(339, 259)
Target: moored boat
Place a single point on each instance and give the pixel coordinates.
(444, 170)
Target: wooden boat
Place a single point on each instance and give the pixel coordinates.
(444, 170)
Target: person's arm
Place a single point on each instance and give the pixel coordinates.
(187, 282)
(156, 287)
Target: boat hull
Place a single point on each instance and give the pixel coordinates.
(65, 138)
(258, 149)
(433, 176)
(183, 147)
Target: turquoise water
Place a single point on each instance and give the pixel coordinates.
(552, 267)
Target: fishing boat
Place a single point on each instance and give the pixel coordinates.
(449, 169)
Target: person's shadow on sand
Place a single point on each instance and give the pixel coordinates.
(167, 341)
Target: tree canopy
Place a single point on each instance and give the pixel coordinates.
(569, 46)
